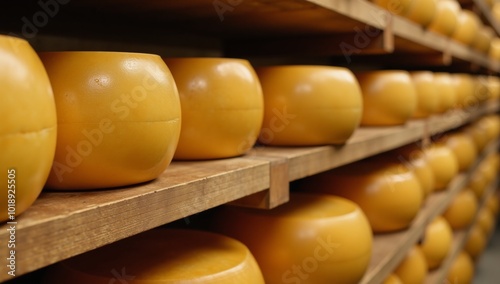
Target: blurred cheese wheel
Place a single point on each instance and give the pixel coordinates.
(467, 27)
(446, 89)
(486, 221)
(28, 128)
(494, 52)
(493, 205)
(493, 87)
(478, 134)
(389, 193)
(444, 164)
(311, 239)
(496, 10)
(399, 7)
(461, 270)
(437, 241)
(480, 89)
(222, 107)
(464, 90)
(461, 211)
(462, 145)
(413, 268)
(476, 242)
(118, 118)
(389, 97)
(414, 158)
(393, 279)
(491, 126)
(422, 11)
(446, 19)
(309, 105)
(478, 183)
(427, 94)
(162, 256)
(483, 39)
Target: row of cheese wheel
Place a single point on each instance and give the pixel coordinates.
(446, 17)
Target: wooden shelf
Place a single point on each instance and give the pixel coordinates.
(390, 249)
(459, 240)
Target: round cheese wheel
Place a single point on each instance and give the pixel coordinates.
(389, 97)
(493, 205)
(462, 145)
(427, 94)
(422, 11)
(467, 27)
(222, 107)
(493, 83)
(477, 183)
(494, 52)
(28, 128)
(413, 268)
(447, 95)
(309, 105)
(491, 126)
(478, 134)
(311, 239)
(462, 270)
(460, 212)
(437, 241)
(393, 279)
(464, 90)
(483, 39)
(388, 192)
(486, 221)
(118, 118)
(444, 164)
(476, 242)
(162, 256)
(399, 7)
(446, 19)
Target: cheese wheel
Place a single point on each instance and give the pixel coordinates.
(476, 242)
(28, 128)
(486, 221)
(388, 192)
(389, 97)
(437, 241)
(309, 105)
(162, 256)
(222, 107)
(413, 268)
(483, 39)
(118, 118)
(446, 19)
(496, 10)
(493, 204)
(447, 95)
(493, 83)
(462, 145)
(461, 270)
(427, 94)
(478, 134)
(422, 11)
(494, 52)
(393, 279)
(444, 164)
(478, 183)
(311, 239)
(464, 90)
(460, 213)
(468, 24)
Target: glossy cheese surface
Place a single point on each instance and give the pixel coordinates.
(427, 94)
(222, 107)
(316, 239)
(444, 164)
(389, 97)
(464, 90)
(462, 270)
(118, 117)
(29, 126)
(393, 279)
(460, 213)
(309, 105)
(422, 11)
(468, 24)
(447, 92)
(413, 156)
(437, 241)
(413, 268)
(162, 256)
(446, 19)
(462, 145)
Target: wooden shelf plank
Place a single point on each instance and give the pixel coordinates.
(60, 225)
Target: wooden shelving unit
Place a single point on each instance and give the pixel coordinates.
(64, 224)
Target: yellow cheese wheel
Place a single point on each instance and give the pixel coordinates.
(496, 10)
(462, 145)
(494, 52)
(414, 158)
(476, 242)
(222, 107)
(446, 19)
(467, 27)
(486, 221)
(413, 268)
(461, 211)
(444, 164)
(389, 97)
(461, 270)
(427, 94)
(491, 126)
(477, 183)
(309, 105)
(162, 256)
(388, 192)
(118, 118)
(478, 134)
(28, 127)
(493, 205)
(311, 239)
(399, 7)
(447, 94)
(493, 83)
(393, 279)
(422, 11)
(464, 90)
(437, 241)
(483, 39)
